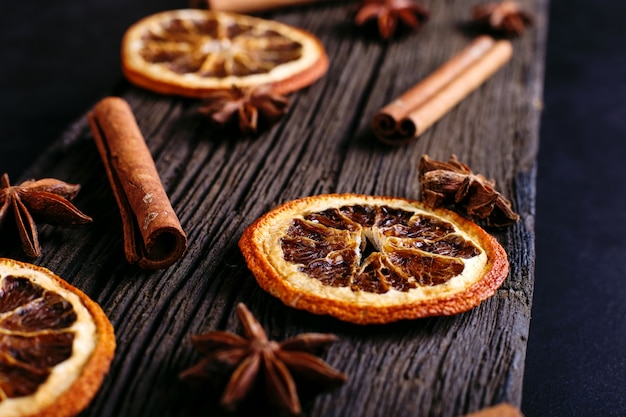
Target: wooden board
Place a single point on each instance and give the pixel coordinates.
(218, 185)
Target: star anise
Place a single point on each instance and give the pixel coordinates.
(45, 200)
(248, 108)
(389, 13)
(454, 184)
(505, 17)
(262, 363)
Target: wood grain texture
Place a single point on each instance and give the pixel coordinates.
(219, 184)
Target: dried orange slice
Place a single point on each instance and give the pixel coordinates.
(368, 259)
(56, 344)
(191, 52)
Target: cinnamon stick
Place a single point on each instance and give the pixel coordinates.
(420, 107)
(249, 6)
(153, 236)
(500, 410)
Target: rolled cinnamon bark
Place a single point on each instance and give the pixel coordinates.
(420, 107)
(500, 410)
(249, 6)
(153, 236)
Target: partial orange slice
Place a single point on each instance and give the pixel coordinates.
(368, 259)
(56, 345)
(191, 52)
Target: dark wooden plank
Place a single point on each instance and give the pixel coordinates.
(219, 184)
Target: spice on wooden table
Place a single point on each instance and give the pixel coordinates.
(454, 183)
(505, 17)
(259, 363)
(153, 236)
(46, 200)
(500, 410)
(248, 6)
(421, 106)
(390, 13)
(248, 108)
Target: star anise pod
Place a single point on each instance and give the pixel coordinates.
(248, 108)
(389, 13)
(454, 184)
(262, 363)
(505, 17)
(45, 200)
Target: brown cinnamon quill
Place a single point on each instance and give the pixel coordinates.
(500, 410)
(249, 6)
(153, 236)
(420, 107)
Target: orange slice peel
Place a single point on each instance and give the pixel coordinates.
(373, 259)
(56, 344)
(191, 52)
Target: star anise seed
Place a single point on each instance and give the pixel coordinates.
(504, 17)
(248, 108)
(454, 184)
(256, 361)
(45, 200)
(389, 13)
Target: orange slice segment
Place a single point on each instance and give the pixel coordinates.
(191, 52)
(56, 345)
(368, 259)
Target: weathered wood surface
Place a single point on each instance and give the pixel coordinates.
(218, 185)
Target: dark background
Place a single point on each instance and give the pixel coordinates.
(57, 58)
